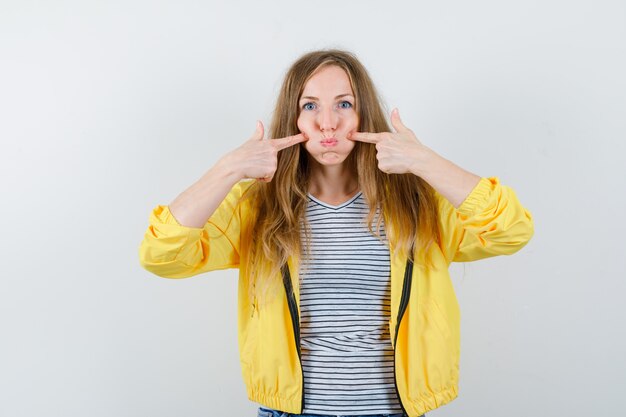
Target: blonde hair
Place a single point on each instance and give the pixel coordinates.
(274, 231)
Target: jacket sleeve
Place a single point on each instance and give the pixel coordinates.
(171, 250)
(491, 221)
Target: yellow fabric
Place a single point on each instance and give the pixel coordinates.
(491, 221)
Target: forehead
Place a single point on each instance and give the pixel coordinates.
(329, 79)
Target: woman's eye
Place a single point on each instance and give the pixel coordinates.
(345, 105)
(309, 106)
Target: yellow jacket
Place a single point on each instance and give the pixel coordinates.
(425, 317)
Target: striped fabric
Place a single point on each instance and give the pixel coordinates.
(347, 355)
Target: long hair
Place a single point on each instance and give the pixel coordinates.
(273, 233)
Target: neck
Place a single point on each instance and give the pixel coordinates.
(332, 183)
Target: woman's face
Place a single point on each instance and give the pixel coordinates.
(327, 115)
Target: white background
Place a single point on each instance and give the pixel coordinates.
(108, 108)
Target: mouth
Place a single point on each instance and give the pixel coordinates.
(329, 142)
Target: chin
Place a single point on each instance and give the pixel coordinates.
(330, 163)
(329, 158)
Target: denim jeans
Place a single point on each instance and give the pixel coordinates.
(268, 412)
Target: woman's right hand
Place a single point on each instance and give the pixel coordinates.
(258, 158)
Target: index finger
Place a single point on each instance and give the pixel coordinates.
(283, 143)
(368, 137)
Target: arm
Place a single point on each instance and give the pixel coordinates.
(448, 179)
(172, 250)
(196, 204)
(479, 216)
(200, 230)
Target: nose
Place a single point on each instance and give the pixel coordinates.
(328, 119)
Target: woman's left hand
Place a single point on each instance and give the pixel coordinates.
(397, 153)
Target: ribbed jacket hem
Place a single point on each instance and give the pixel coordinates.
(289, 405)
(418, 406)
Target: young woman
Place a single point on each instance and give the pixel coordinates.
(343, 232)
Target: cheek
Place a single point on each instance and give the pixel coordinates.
(355, 122)
(304, 125)
(299, 123)
(352, 123)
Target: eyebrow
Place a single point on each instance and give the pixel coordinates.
(317, 99)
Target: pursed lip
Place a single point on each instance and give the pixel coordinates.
(329, 142)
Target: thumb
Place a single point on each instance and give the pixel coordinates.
(396, 122)
(258, 132)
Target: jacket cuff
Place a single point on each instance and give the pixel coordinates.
(479, 196)
(164, 224)
(165, 216)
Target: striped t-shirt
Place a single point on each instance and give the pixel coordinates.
(347, 357)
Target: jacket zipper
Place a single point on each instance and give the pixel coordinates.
(404, 301)
(295, 320)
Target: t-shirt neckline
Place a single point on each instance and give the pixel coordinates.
(335, 207)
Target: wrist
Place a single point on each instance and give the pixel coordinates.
(227, 171)
(423, 161)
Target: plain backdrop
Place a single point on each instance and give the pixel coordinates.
(108, 108)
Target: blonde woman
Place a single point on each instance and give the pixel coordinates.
(343, 230)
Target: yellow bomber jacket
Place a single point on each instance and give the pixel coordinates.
(425, 316)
